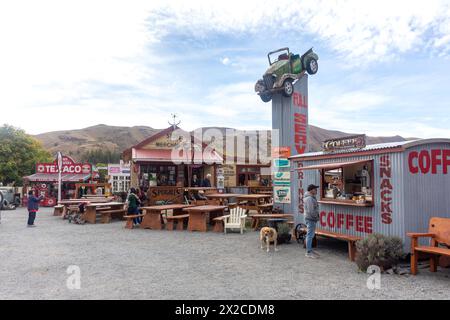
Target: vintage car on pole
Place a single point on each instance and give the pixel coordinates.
(283, 71)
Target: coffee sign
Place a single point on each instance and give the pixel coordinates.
(351, 142)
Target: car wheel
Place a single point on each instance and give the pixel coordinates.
(312, 66)
(288, 88)
(1, 201)
(266, 97)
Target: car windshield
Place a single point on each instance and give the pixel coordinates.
(277, 56)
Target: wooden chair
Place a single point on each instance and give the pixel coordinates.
(235, 220)
(439, 232)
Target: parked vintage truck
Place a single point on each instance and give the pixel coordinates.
(9, 198)
(285, 67)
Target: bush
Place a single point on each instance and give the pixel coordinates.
(283, 229)
(380, 250)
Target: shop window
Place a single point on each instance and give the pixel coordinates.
(350, 184)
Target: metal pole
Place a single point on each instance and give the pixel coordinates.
(59, 175)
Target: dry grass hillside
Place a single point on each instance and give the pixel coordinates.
(116, 139)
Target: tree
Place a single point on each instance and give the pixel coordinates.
(19, 153)
(101, 156)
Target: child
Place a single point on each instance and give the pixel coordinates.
(33, 207)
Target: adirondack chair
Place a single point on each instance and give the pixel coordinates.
(236, 220)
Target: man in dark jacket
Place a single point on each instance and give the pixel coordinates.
(207, 181)
(311, 217)
(33, 207)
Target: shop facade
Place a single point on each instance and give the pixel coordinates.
(162, 165)
(45, 180)
(390, 188)
(119, 177)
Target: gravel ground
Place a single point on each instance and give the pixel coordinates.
(118, 263)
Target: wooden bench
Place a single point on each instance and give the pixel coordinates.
(180, 219)
(129, 218)
(256, 218)
(351, 240)
(58, 210)
(219, 223)
(108, 214)
(439, 232)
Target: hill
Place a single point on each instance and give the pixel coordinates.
(77, 143)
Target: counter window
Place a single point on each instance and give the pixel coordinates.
(350, 183)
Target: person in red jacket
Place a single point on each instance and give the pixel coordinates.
(33, 207)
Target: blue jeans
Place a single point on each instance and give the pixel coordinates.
(310, 234)
(31, 217)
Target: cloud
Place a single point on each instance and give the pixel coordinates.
(226, 61)
(361, 31)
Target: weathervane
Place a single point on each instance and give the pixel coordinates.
(174, 124)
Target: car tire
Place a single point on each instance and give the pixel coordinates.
(311, 66)
(266, 97)
(288, 88)
(1, 201)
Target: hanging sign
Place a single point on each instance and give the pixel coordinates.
(351, 142)
(282, 178)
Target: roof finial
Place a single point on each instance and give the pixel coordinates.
(174, 124)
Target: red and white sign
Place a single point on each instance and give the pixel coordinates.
(435, 161)
(68, 166)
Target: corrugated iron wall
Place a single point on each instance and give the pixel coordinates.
(396, 227)
(426, 194)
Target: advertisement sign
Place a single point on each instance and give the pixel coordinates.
(281, 163)
(281, 152)
(68, 166)
(282, 194)
(358, 141)
(282, 178)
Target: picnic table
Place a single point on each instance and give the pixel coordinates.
(221, 197)
(93, 208)
(198, 216)
(153, 218)
(253, 201)
(256, 218)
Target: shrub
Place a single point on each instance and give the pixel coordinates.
(283, 228)
(380, 250)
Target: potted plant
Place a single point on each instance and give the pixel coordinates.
(284, 233)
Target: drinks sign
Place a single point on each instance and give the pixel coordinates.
(68, 166)
(351, 142)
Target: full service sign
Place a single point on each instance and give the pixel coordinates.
(68, 166)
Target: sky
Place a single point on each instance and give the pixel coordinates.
(384, 66)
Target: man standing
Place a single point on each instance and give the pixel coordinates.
(33, 207)
(207, 182)
(311, 218)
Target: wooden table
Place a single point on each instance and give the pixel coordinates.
(198, 216)
(253, 200)
(153, 215)
(90, 214)
(257, 217)
(222, 197)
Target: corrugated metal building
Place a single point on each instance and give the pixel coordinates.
(409, 184)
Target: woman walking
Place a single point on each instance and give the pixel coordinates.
(133, 203)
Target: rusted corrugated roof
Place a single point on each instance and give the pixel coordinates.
(374, 147)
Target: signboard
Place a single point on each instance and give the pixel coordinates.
(282, 178)
(357, 141)
(281, 163)
(281, 152)
(282, 194)
(68, 166)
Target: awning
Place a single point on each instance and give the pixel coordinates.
(333, 165)
(177, 156)
(53, 177)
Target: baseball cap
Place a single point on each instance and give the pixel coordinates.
(312, 187)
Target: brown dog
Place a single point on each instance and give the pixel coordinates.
(268, 235)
